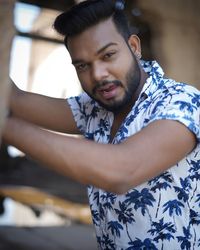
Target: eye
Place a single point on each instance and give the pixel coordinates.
(109, 55)
(81, 67)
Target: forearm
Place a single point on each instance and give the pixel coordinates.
(78, 159)
(114, 168)
(47, 112)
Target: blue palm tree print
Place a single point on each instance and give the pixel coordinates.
(185, 106)
(109, 200)
(144, 245)
(102, 128)
(195, 100)
(161, 182)
(195, 217)
(106, 243)
(94, 112)
(95, 216)
(174, 207)
(163, 212)
(185, 240)
(195, 170)
(115, 228)
(125, 215)
(141, 200)
(183, 190)
(198, 199)
(195, 220)
(162, 231)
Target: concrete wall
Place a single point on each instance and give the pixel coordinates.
(175, 27)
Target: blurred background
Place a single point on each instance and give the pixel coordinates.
(40, 209)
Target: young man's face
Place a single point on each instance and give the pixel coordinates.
(106, 66)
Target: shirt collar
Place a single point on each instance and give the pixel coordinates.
(153, 82)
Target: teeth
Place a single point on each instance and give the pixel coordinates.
(107, 90)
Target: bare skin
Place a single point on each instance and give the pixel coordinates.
(44, 111)
(115, 168)
(99, 53)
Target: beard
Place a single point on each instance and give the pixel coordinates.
(133, 77)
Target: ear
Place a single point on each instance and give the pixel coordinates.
(134, 43)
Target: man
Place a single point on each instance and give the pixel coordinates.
(141, 155)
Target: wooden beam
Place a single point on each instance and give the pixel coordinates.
(60, 5)
(36, 36)
(35, 198)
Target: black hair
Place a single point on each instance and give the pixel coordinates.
(89, 13)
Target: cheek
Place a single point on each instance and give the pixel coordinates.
(86, 84)
(120, 73)
(84, 80)
(86, 88)
(121, 67)
(128, 67)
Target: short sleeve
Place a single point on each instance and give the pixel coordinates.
(78, 105)
(182, 106)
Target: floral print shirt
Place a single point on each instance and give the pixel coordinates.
(163, 213)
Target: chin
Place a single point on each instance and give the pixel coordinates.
(115, 107)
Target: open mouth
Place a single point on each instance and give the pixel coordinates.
(108, 91)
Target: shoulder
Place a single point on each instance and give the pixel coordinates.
(177, 101)
(178, 88)
(80, 100)
(171, 92)
(80, 107)
(82, 103)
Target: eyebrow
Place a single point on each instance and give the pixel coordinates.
(105, 47)
(77, 61)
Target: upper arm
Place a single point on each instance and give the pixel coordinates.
(154, 149)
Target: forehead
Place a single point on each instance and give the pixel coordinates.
(95, 38)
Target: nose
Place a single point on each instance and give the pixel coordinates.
(99, 72)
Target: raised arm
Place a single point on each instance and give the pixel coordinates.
(47, 112)
(115, 168)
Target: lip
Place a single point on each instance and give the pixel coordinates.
(109, 91)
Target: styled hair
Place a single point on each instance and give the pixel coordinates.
(88, 13)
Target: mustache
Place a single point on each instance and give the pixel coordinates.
(101, 84)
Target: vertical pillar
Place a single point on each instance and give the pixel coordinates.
(7, 33)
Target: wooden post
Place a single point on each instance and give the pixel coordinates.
(7, 33)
